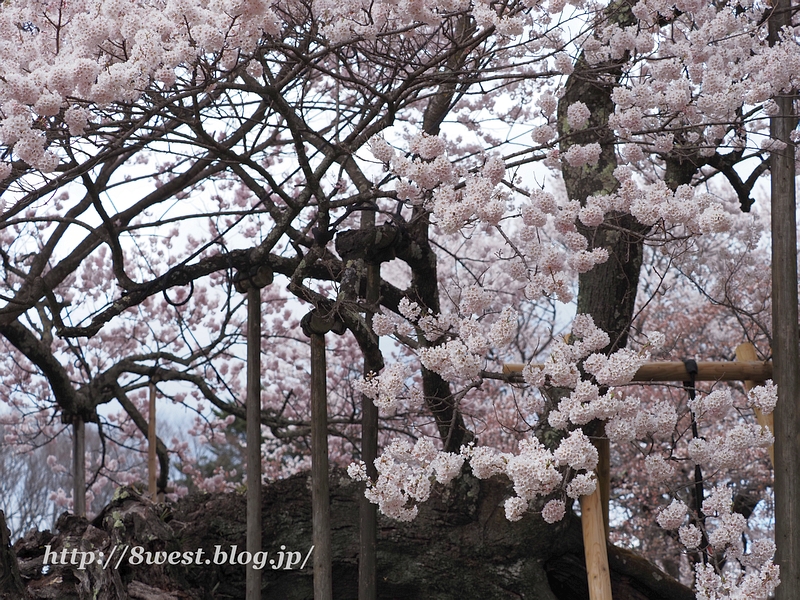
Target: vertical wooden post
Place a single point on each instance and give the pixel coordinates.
(315, 327)
(604, 477)
(251, 282)
(151, 445)
(786, 357)
(368, 512)
(253, 415)
(746, 352)
(79, 466)
(594, 544)
(320, 494)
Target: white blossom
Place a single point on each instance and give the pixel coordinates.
(553, 511)
(764, 397)
(673, 515)
(515, 508)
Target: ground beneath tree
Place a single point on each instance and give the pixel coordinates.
(461, 547)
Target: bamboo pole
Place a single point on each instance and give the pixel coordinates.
(594, 545)
(79, 466)
(253, 414)
(151, 445)
(676, 371)
(747, 352)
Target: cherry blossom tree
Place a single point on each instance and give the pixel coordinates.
(483, 164)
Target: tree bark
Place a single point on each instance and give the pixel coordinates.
(461, 547)
(608, 291)
(11, 587)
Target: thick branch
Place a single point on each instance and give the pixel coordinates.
(70, 401)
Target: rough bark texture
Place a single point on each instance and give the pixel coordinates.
(461, 547)
(10, 581)
(608, 291)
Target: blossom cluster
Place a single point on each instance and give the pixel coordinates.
(725, 451)
(84, 69)
(755, 575)
(764, 397)
(536, 471)
(453, 345)
(405, 476)
(385, 389)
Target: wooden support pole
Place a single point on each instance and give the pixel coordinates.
(315, 326)
(253, 414)
(368, 512)
(151, 446)
(79, 466)
(786, 354)
(594, 508)
(604, 477)
(747, 352)
(363, 251)
(250, 282)
(320, 494)
(676, 371)
(594, 545)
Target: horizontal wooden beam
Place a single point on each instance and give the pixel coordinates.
(757, 371)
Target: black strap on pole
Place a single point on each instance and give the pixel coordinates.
(689, 386)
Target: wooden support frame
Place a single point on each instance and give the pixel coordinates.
(594, 507)
(785, 333)
(676, 371)
(320, 492)
(367, 511)
(594, 546)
